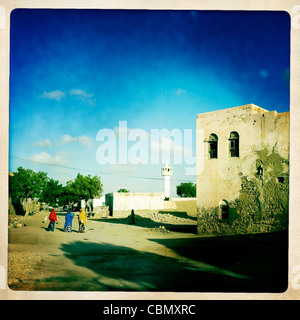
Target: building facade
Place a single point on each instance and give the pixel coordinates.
(237, 148)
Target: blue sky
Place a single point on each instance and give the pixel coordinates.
(75, 72)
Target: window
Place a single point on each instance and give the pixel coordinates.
(213, 146)
(234, 144)
(223, 209)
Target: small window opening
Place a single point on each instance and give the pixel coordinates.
(234, 144)
(213, 146)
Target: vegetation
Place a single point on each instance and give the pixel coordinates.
(26, 185)
(186, 190)
(85, 188)
(51, 192)
(123, 190)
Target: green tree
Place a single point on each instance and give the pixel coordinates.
(84, 188)
(186, 190)
(123, 190)
(68, 195)
(25, 185)
(51, 192)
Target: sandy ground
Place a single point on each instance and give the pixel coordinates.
(148, 256)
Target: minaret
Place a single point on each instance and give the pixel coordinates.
(166, 172)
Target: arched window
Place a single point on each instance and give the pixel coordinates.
(213, 146)
(234, 145)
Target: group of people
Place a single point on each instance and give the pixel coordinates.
(68, 221)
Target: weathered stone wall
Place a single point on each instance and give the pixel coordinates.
(254, 184)
(100, 212)
(262, 205)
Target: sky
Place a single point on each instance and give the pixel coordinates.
(78, 76)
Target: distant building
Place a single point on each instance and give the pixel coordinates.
(93, 203)
(239, 148)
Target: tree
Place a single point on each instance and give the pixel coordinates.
(186, 190)
(24, 186)
(84, 188)
(68, 194)
(123, 190)
(52, 192)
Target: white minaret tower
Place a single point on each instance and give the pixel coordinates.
(166, 172)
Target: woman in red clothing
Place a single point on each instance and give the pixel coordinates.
(52, 218)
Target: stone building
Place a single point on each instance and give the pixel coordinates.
(242, 170)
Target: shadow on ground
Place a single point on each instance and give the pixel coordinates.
(263, 257)
(149, 223)
(179, 214)
(219, 265)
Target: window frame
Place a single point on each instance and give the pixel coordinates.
(234, 138)
(213, 151)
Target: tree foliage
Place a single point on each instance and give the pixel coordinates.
(123, 190)
(68, 195)
(27, 184)
(51, 192)
(86, 187)
(186, 190)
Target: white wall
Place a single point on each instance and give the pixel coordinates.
(138, 201)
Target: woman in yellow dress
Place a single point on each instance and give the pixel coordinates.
(81, 221)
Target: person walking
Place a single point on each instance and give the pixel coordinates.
(52, 218)
(81, 221)
(68, 221)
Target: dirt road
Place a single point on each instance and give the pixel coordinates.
(148, 256)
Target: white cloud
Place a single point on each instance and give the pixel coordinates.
(46, 143)
(80, 94)
(45, 157)
(84, 140)
(65, 139)
(54, 95)
(83, 95)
